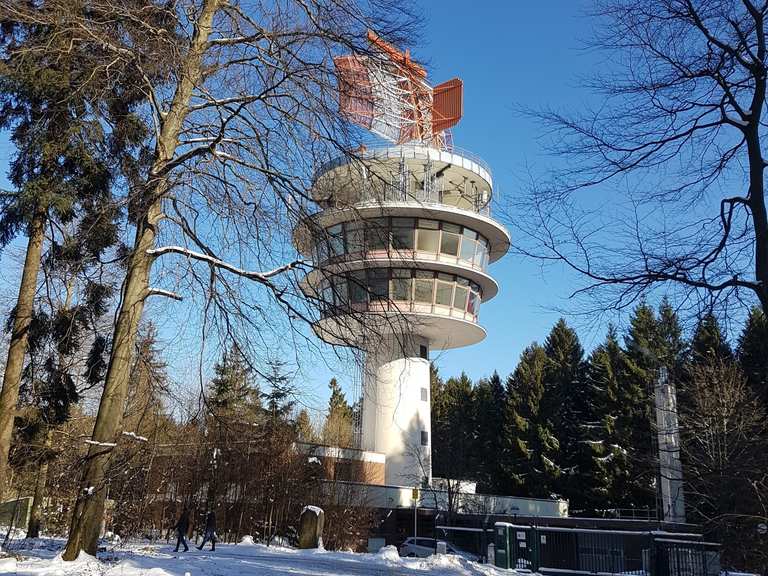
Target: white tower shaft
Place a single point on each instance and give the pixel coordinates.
(670, 466)
(396, 409)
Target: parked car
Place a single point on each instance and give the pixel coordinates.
(423, 547)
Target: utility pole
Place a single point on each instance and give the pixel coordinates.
(415, 498)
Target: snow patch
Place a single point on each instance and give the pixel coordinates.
(236, 560)
(314, 509)
(247, 540)
(389, 555)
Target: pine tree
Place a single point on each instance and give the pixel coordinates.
(753, 353)
(304, 429)
(454, 430)
(233, 393)
(643, 353)
(529, 445)
(58, 333)
(709, 343)
(61, 171)
(279, 404)
(565, 402)
(440, 457)
(488, 416)
(148, 384)
(608, 486)
(671, 342)
(338, 429)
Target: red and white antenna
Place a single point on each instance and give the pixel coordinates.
(388, 94)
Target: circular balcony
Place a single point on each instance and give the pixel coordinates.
(409, 173)
(313, 282)
(438, 236)
(368, 303)
(402, 242)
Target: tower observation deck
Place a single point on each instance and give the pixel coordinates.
(401, 245)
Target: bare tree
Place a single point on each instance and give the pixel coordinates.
(675, 150)
(244, 114)
(723, 440)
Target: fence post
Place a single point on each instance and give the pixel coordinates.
(535, 560)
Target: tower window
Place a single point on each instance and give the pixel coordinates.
(424, 395)
(424, 438)
(423, 352)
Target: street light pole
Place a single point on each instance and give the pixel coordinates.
(415, 498)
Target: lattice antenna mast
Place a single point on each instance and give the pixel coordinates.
(387, 93)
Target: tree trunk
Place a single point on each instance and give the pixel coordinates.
(18, 344)
(757, 189)
(36, 513)
(89, 509)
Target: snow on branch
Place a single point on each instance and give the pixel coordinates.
(262, 277)
(102, 444)
(166, 293)
(135, 436)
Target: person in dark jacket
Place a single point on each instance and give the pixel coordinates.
(210, 531)
(181, 530)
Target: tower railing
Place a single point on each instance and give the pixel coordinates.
(432, 191)
(414, 150)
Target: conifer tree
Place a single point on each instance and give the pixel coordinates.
(671, 342)
(440, 457)
(304, 429)
(278, 402)
(233, 393)
(709, 343)
(565, 402)
(529, 446)
(610, 443)
(148, 384)
(643, 353)
(488, 415)
(338, 429)
(753, 353)
(61, 172)
(454, 443)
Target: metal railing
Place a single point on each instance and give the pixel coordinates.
(404, 151)
(434, 192)
(559, 550)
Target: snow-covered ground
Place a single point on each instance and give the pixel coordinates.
(42, 558)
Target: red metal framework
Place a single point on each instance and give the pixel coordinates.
(387, 93)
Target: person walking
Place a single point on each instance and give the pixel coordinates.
(210, 531)
(181, 528)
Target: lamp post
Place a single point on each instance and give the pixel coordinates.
(415, 498)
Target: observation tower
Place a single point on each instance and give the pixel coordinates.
(401, 246)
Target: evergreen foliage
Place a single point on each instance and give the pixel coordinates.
(581, 429)
(304, 429)
(752, 352)
(488, 416)
(338, 429)
(709, 343)
(530, 446)
(453, 428)
(234, 398)
(564, 403)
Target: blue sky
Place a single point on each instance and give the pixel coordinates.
(510, 55)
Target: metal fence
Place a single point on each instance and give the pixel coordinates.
(558, 550)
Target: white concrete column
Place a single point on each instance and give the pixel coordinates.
(670, 465)
(396, 409)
